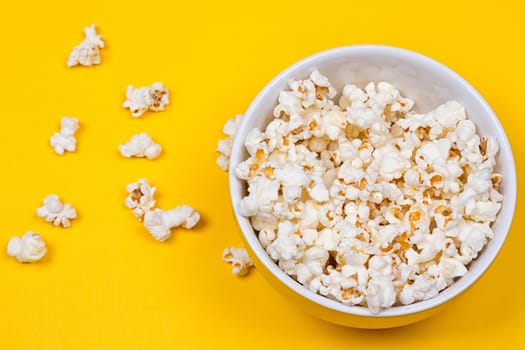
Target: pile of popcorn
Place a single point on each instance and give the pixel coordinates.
(365, 201)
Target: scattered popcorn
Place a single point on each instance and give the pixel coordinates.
(87, 53)
(153, 98)
(30, 247)
(65, 139)
(56, 212)
(238, 257)
(140, 197)
(160, 222)
(140, 145)
(224, 147)
(365, 201)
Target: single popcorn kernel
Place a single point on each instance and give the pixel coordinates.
(238, 257)
(140, 145)
(56, 212)
(146, 98)
(160, 222)
(65, 139)
(365, 201)
(87, 53)
(29, 248)
(224, 147)
(140, 197)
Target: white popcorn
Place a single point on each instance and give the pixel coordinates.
(362, 116)
(391, 166)
(287, 248)
(352, 94)
(238, 257)
(160, 222)
(153, 98)
(140, 145)
(322, 85)
(87, 53)
(224, 147)
(65, 139)
(312, 265)
(380, 293)
(254, 142)
(263, 194)
(367, 202)
(140, 197)
(473, 238)
(28, 248)
(305, 93)
(485, 211)
(266, 236)
(333, 123)
(450, 269)
(157, 221)
(445, 118)
(422, 288)
(304, 90)
(319, 193)
(56, 212)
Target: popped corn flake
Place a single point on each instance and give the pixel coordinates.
(53, 210)
(140, 145)
(157, 221)
(65, 139)
(87, 53)
(239, 259)
(224, 146)
(28, 248)
(153, 98)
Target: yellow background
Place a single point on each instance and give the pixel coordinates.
(106, 284)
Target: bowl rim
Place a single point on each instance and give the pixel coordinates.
(401, 310)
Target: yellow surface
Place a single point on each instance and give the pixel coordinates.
(106, 284)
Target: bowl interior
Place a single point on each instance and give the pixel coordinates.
(429, 84)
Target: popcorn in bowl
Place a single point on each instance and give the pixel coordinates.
(365, 201)
(140, 197)
(224, 146)
(159, 222)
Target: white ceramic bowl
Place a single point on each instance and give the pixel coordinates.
(430, 84)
